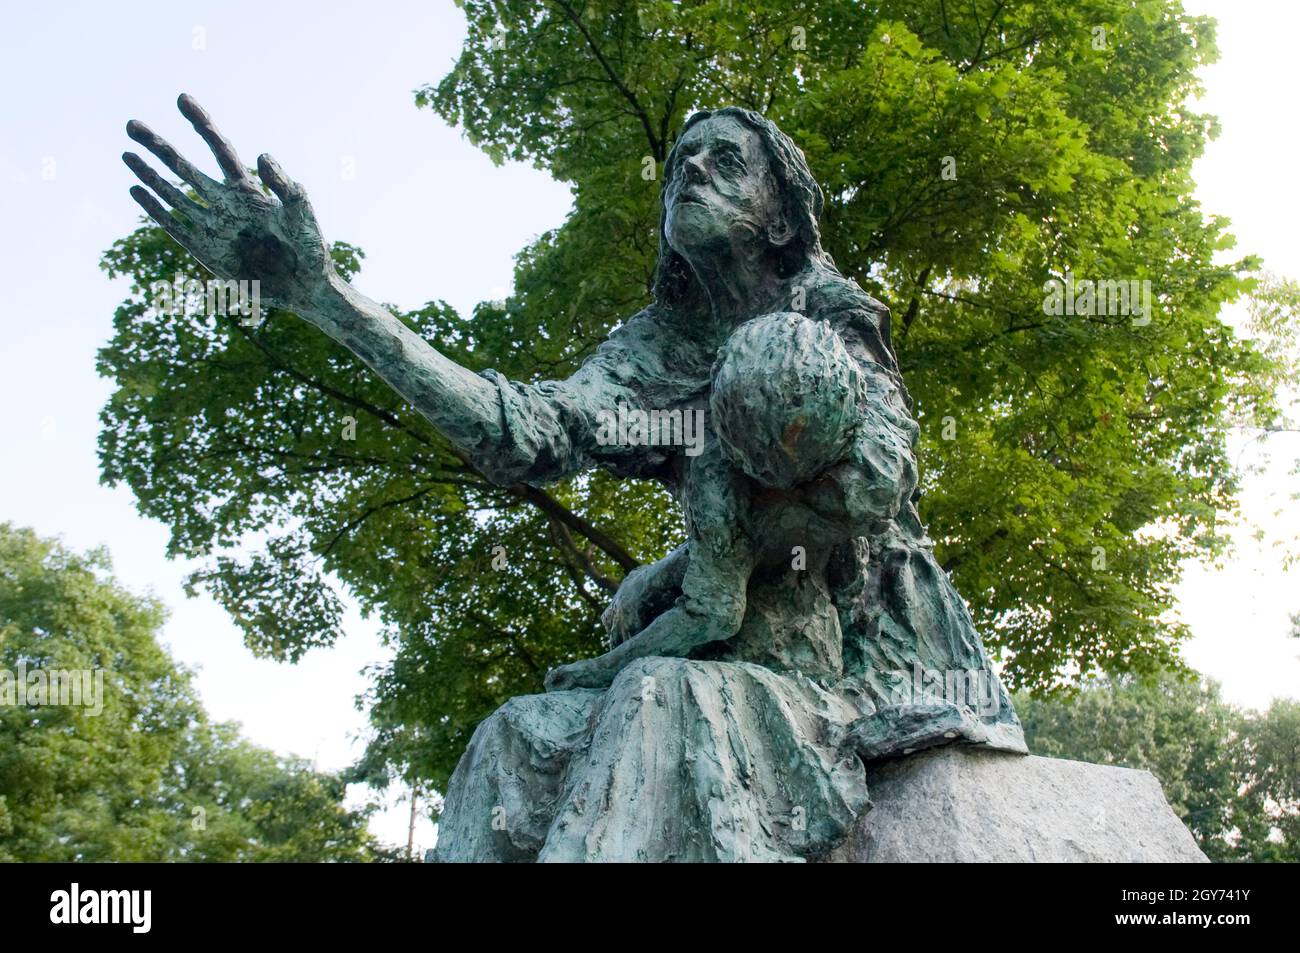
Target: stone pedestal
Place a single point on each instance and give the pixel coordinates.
(962, 804)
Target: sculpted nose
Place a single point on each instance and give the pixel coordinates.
(693, 171)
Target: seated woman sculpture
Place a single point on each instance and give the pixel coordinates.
(800, 459)
(803, 629)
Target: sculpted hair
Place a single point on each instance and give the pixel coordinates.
(675, 285)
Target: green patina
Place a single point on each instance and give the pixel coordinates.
(803, 629)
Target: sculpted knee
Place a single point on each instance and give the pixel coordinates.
(506, 720)
(645, 677)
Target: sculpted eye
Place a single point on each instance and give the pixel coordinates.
(731, 162)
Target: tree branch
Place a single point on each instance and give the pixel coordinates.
(656, 145)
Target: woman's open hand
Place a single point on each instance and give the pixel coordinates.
(235, 230)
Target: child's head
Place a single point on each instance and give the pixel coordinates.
(785, 398)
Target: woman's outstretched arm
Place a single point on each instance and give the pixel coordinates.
(238, 232)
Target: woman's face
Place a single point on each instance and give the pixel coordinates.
(720, 191)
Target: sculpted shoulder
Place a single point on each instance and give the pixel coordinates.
(653, 352)
(861, 320)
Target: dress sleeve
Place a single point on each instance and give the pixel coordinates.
(549, 430)
(880, 475)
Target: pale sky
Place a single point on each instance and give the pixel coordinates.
(327, 88)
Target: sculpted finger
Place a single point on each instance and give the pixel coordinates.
(286, 189)
(170, 194)
(169, 157)
(160, 215)
(221, 147)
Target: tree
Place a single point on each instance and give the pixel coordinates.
(142, 775)
(1071, 461)
(1269, 769)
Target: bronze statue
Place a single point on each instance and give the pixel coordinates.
(802, 630)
